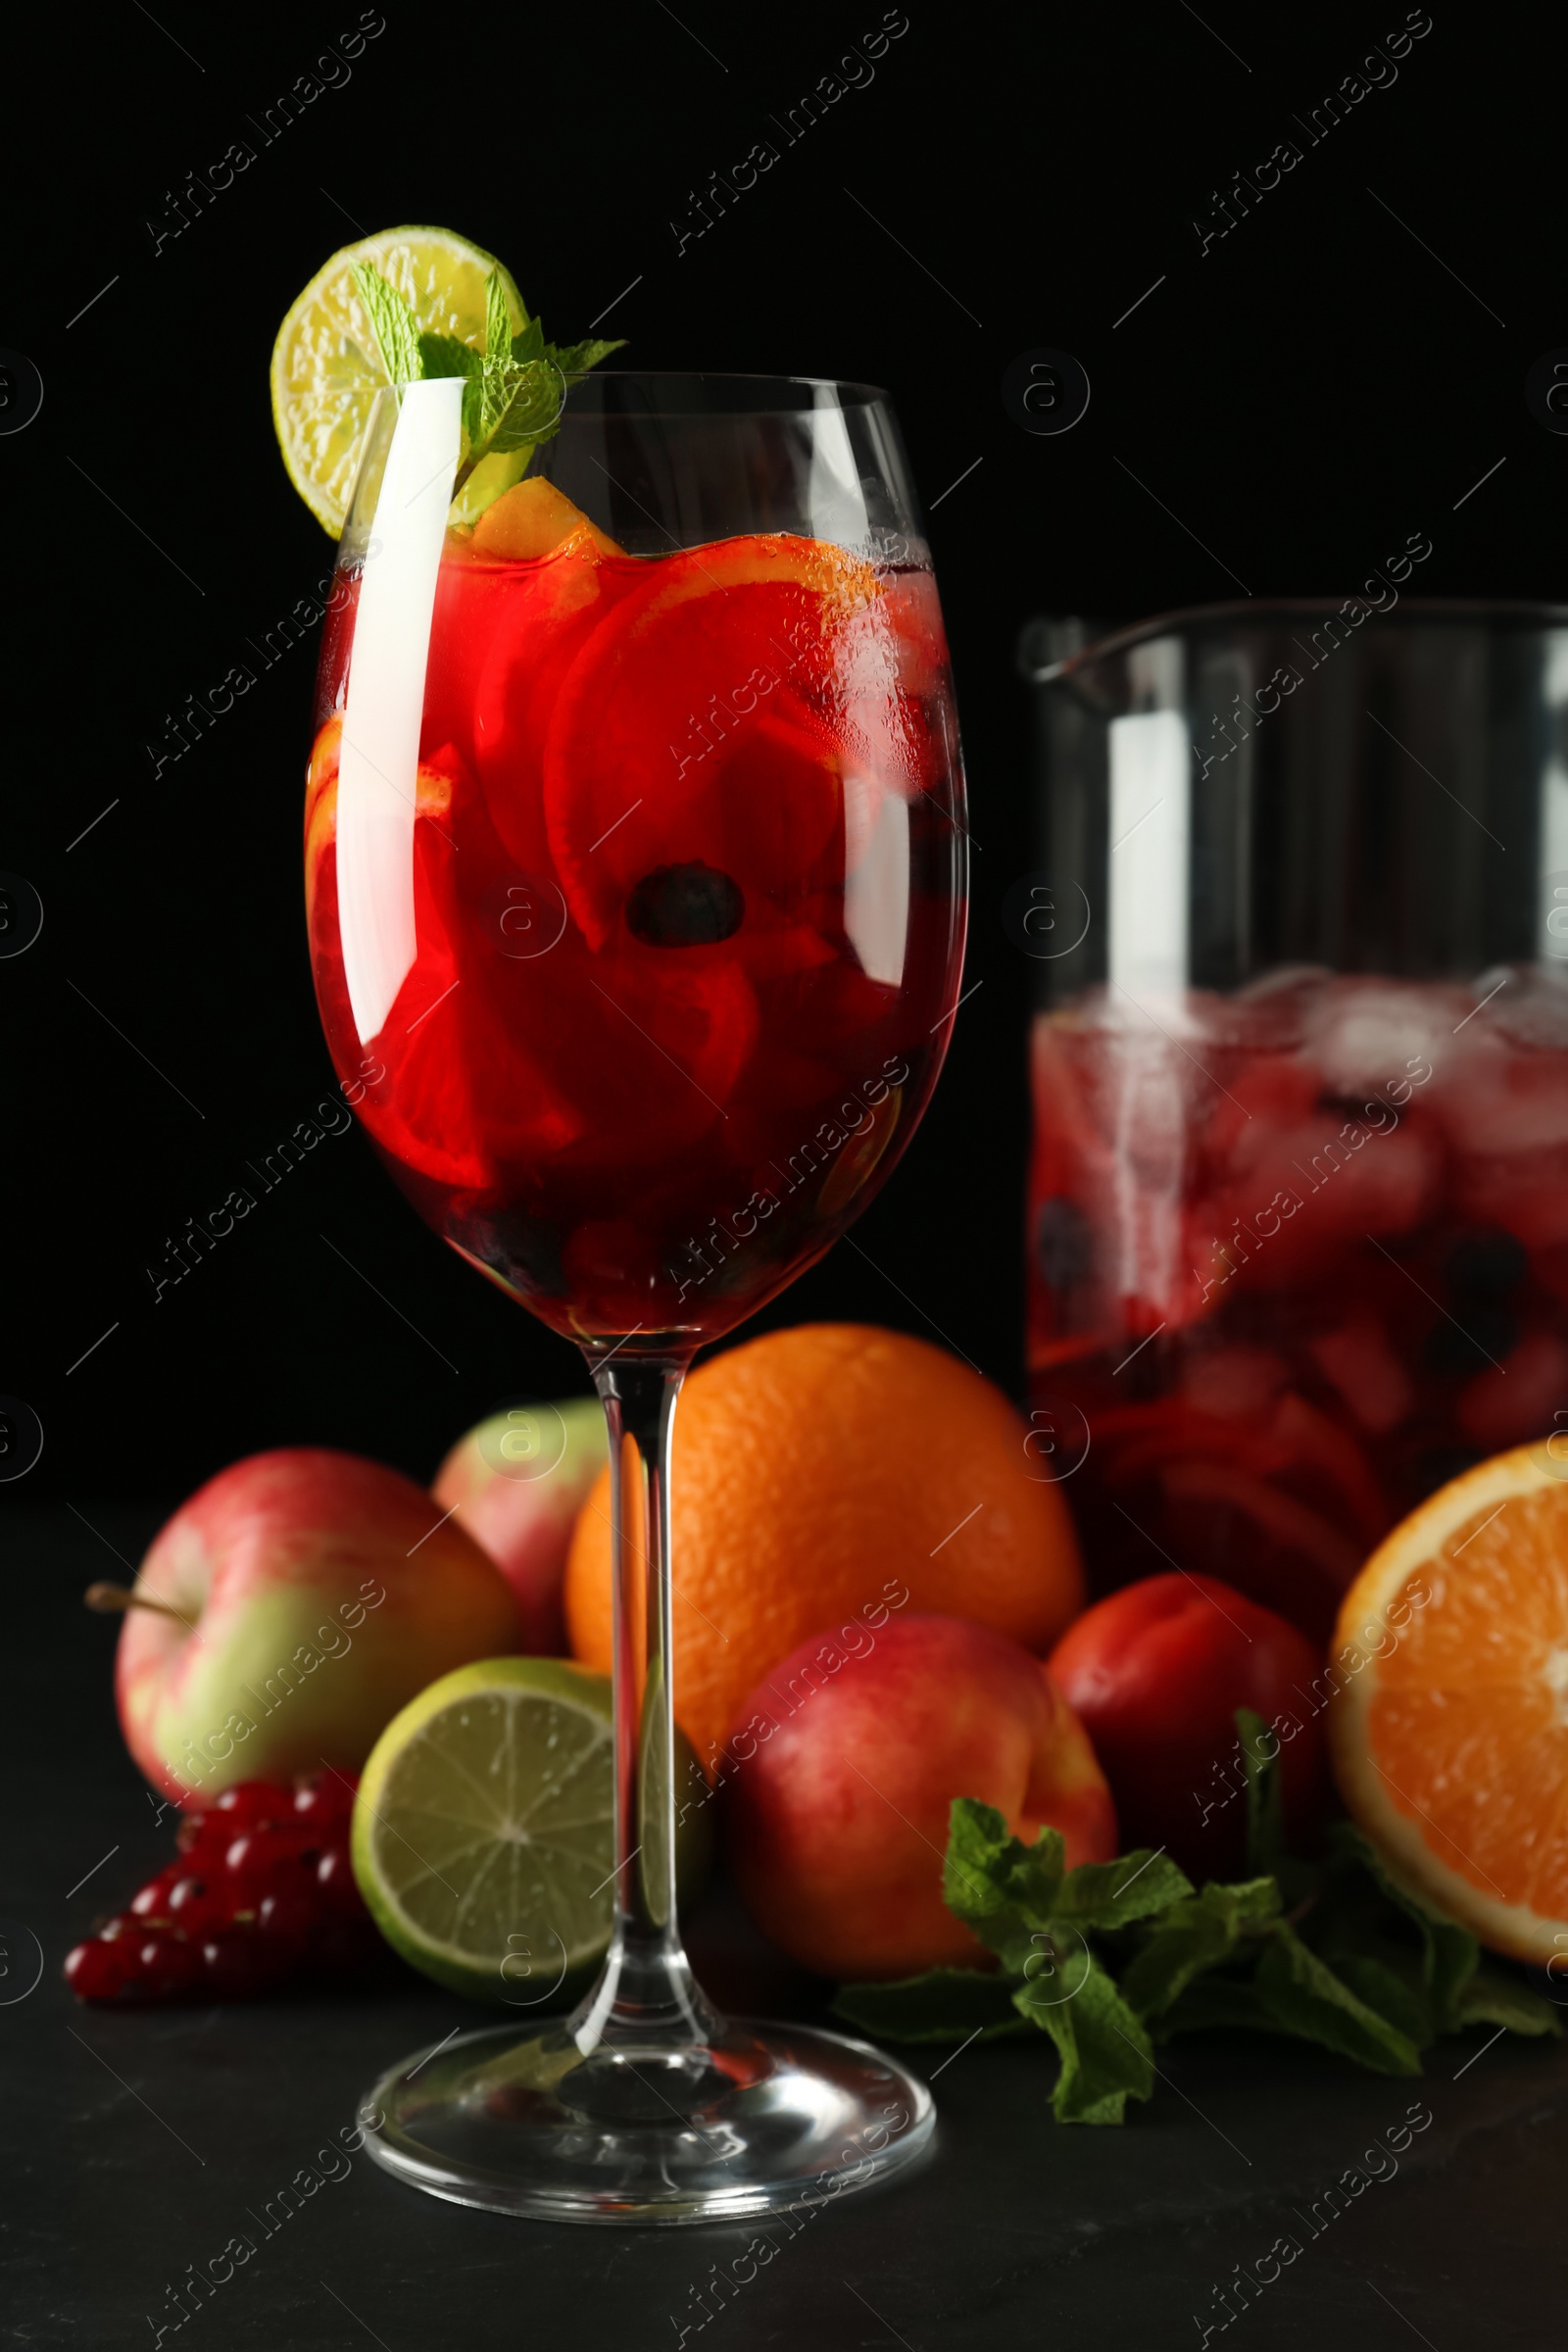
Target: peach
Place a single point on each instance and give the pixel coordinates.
(844, 1763)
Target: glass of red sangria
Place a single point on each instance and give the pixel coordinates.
(635, 880)
(1299, 1205)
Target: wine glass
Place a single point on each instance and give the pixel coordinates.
(635, 883)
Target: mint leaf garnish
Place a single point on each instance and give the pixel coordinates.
(496, 324)
(575, 358)
(514, 389)
(444, 355)
(522, 406)
(1110, 1957)
(392, 322)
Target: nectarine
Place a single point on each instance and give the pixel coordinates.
(841, 1767)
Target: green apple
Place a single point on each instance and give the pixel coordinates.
(295, 1604)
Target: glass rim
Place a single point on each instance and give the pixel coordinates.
(859, 394)
(1436, 610)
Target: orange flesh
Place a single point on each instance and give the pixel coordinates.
(1468, 1722)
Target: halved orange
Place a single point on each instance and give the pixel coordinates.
(1449, 1722)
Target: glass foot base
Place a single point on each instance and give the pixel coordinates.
(751, 2118)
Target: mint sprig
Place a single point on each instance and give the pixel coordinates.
(513, 390)
(1112, 1959)
(392, 322)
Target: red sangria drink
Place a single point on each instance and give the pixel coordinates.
(683, 926)
(1297, 1218)
(635, 883)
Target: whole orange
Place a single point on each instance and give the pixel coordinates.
(829, 1473)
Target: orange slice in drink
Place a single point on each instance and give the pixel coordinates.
(691, 729)
(1449, 1725)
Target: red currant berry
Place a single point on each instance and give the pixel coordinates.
(248, 1804)
(285, 1923)
(152, 1900)
(326, 1800)
(264, 1860)
(232, 1969)
(123, 1924)
(195, 1905)
(203, 1833)
(166, 1968)
(96, 1970)
(340, 1897)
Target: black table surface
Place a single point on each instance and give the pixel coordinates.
(139, 2145)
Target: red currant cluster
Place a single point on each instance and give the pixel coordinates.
(262, 1895)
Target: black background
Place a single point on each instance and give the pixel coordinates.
(1316, 387)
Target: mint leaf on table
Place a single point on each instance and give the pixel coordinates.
(1103, 2046)
(1228, 2003)
(1265, 1803)
(1393, 1987)
(1115, 1895)
(1449, 1953)
(393, 324)
(1304, 1996)
(1195, 1933)
(1110, 1957)
(1492, 1999)
(1267, 1853)
(945, 2004)
(1001, 1889)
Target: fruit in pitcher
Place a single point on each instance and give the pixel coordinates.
(841, 1769)
(295, 1602)
(1296, 1265)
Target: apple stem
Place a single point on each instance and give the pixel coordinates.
(113, 1601)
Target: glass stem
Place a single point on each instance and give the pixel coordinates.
(646, 1986)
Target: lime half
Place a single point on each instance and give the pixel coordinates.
(326, 368)
(483, 1841)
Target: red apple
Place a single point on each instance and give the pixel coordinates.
(843, 1766)
(517, 1481)
(314, 1595)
